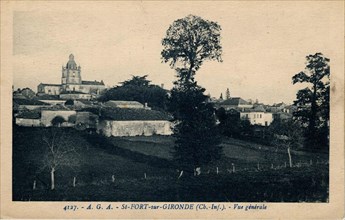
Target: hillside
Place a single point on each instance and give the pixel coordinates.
(114, 169)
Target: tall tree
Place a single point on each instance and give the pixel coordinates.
(227, 93)
(313, 101)
(188, 43)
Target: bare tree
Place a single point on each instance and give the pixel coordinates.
(60, 152)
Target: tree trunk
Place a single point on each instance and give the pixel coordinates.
(290, 160)
(52, 179)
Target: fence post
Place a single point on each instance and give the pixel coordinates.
(34, 185)
(113, 178)
(74, 179)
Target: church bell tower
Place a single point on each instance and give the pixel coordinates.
(71, 78)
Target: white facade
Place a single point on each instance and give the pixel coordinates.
(27, 122)
(134, 128)
(257, 118)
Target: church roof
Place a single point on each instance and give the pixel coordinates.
(92, 83)
(71, 64)
(49, 84)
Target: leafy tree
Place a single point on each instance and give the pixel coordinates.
(286, 134)
(313, 101)
(57, 121)
(72, 119)
(69, 102)
(232, 125)
(188, 43)
(221, 96)
(138, 89)
(227, 93)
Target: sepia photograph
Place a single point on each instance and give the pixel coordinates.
(175, 103)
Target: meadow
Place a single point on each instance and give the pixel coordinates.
(141, 169)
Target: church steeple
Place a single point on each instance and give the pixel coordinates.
(71, 64)
(71, 74)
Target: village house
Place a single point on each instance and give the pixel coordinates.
(29, 118)
(235, 103)
(257, 116)
(133, 122)
(30, 104)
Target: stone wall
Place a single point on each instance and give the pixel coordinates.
(48, 115)
(28, 122)
(134, 128)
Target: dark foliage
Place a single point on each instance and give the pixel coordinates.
(138, 89)
(58, 120)
(231, 125)
(69, 102)
(313, 101)
(197, 137)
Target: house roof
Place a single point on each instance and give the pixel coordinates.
(72, 92)
(120, 102)
(101, 83)
(47, 97)
(48, 84)
(30, 115)
(120, 114)
(28, 102)
(235, 101)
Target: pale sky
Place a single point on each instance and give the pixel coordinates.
(264, 43)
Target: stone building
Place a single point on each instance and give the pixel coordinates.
(72, 83)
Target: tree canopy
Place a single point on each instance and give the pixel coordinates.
(138, 88)
(189, 41)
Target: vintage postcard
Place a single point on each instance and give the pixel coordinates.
(172, 109)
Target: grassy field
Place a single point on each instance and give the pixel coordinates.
(130, 159)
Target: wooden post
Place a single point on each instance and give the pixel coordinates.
(311, 162)
(217, 171)
(34, 185)
(52, 179)
(271, 165)
(180, 175)
(74, 179)
(113, 178)
(258, 166)
(233, 168)
(145, 175)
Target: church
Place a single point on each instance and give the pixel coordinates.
(72, 86)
